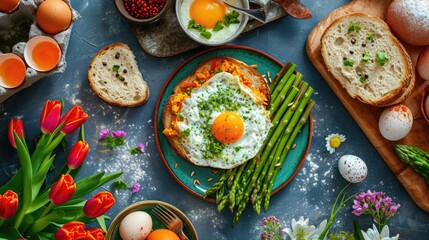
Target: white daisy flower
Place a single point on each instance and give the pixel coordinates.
(333, 141)
(373, 234)
(300, 230)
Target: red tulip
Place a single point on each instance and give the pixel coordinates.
(50, 116)
(73, 230)
(17, 126)
(62, 190)
(8, 204)
(99, 204)
(94, 234)
(73, 119)
(77, 154)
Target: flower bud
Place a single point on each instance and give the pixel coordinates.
(17, 126)
(72, 230)
(73, 119)
(62, 190)
(94, 234)
(77, 154)
(98, 204)
(50, 116)
(8, 204)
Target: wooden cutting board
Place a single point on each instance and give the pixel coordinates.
(367, 116)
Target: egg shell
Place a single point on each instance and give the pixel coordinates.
(423, 63)
(395, 122)
(135, 226)
(352, 168)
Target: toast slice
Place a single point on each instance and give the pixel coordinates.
(114, 76)
(203, 72)
(369, 62)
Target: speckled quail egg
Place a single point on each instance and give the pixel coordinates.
(352, 168)
(395, 122)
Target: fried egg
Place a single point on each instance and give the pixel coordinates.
(222, 125)
(207, 13)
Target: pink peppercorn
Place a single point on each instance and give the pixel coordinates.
(143, 9)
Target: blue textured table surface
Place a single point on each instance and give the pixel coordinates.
(310, 194)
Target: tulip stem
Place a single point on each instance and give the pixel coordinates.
(46, 210)
(2, 220)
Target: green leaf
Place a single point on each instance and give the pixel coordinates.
(231, 18)
(362, 79)
(357, 232)
(187, 132)
(40, 177)
(91, 183)
(381, 58)
(120, 184)
(9, 233)
(348, 63)
(218, 26)
(101, 221)
(353, 27)
(369, 36)
(115, 68)
(41, 223)
(206, 34)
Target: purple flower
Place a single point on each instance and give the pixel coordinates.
(103, 133)
(136, 187)
(119, 133)
(272, 228)
(141, 147)
(376, 204)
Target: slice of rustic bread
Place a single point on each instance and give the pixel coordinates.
(369, 62)
(114, 76)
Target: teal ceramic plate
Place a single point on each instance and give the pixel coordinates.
(146, 206)
(186, 173)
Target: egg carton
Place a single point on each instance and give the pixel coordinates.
(27, 11)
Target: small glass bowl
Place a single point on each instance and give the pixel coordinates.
(121, 8)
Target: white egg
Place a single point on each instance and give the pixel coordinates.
(207, 6)
(223, 93)
(395, 122)
(135, 226)
(352, 168)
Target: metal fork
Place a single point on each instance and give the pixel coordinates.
(170, 220)
(259, 14)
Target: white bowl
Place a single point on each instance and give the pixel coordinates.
(7, 68)
(194, 35)
(53, 53)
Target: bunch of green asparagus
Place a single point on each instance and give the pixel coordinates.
(417, 158)
(253, 181)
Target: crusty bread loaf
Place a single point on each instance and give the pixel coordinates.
(114, 76)
(354, 38)
(257, 82)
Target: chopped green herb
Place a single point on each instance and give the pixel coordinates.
(231, 18)
(180, 116)
(115, 68)
(238, 148)
(187, 132)
(381, 58)
(348, 63)
(365, 57)
(362, 79)
(369, 36)
(217, 71)
(353, 27)
(206, 34)
(218, 26)
(120, 184)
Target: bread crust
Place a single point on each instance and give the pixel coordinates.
(101, 94)
(408, 77)
(168, 116)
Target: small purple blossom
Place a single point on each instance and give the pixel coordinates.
(376, 204)
(136, 187)
(272, 228)
(141, 147)
(119, 133)
(103, 133)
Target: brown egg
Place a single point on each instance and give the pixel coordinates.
(53, 16)
(423, 63)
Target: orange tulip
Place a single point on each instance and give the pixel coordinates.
(98, 204)
(62, 190)
(8, 204)
(73, 230)
(94, 234)
(73, 119)
(50, 116)
(17, 126)
(77, 154)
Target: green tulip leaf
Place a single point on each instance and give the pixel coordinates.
(91, 183)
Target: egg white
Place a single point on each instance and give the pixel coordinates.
(217, 36)
(198, 121)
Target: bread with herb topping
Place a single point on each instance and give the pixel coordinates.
(114, 76)
(369, 62)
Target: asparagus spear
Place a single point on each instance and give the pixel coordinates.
(275, 89)
(282, 95)
(417, 158)
(280, 75)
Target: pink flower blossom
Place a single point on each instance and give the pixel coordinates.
(136, 187)
(103, 133)
(141, 147)
(119, 133)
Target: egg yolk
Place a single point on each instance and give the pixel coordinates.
(228, 127)
(46, 55)
(207, 12)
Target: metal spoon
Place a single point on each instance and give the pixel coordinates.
(259, 14)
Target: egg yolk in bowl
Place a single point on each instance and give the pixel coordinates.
(207, 12)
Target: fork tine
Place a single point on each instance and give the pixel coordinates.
(167, 211)
(160, 216)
